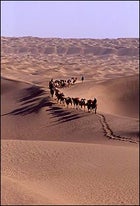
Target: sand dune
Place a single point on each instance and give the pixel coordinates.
(37, 171)
(68, 173)
(54, 155)
(118, 96)
(97, 59)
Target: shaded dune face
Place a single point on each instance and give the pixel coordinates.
(10, 92)
(29, 97)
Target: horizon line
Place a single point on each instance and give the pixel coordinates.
(54, 37)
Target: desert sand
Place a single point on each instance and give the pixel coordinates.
(54, 155)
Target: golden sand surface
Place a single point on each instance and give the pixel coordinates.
(54, 155)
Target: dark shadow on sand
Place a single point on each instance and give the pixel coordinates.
(31, 92)
(33, 108)
(32, 95)
(34, 98)
(62, 115)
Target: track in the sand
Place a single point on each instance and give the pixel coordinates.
(109, 133)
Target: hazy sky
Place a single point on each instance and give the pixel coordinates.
(70, 19)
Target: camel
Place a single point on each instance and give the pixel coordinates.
(92, 105)
(68, 101)
(60, 96)
(82, 103)
(75, 102)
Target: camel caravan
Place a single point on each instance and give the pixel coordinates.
(76, 102)
(64, 83)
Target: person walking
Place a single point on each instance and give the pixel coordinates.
(82, 78)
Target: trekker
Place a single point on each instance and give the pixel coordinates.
(51, 84)
(82, 78)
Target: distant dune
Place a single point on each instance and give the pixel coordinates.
(34, 45)
(54, 155)
(97, 59)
